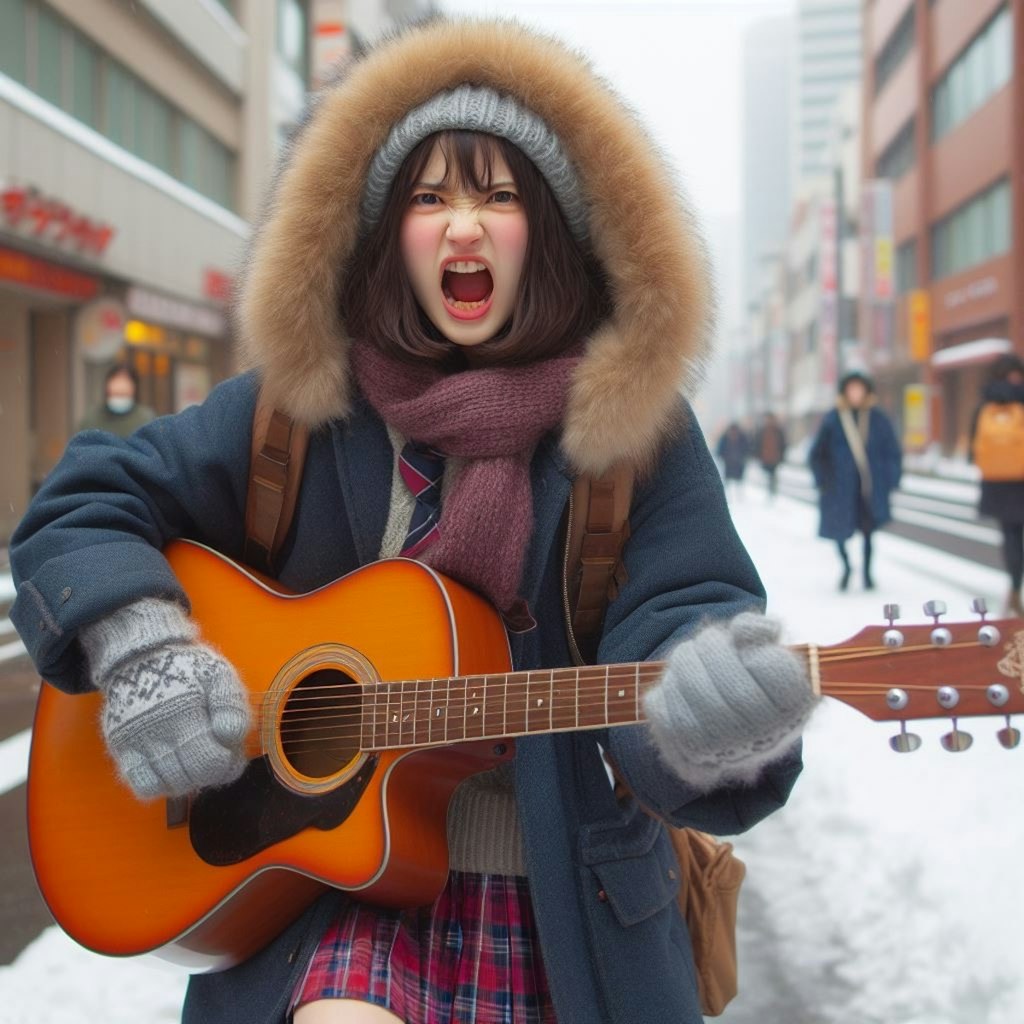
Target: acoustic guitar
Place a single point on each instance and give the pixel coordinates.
(374, 697)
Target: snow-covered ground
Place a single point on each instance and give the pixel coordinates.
(886, 891)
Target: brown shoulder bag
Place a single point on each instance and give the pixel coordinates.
(710, 872)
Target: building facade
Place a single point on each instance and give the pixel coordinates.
(138, 141)
(942, 157)
(828, 60)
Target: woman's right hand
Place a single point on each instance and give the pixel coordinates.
(175, 714)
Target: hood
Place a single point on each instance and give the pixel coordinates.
(1003, 391)
(624, 399)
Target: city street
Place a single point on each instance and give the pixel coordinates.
(882, 872)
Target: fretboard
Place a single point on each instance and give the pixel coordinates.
(429, 712)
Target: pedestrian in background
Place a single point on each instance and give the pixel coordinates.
(734, 450)
(997, 449)
(856, 462)
(120, 412)
(770, 449)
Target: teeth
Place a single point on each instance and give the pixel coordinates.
(459, 304)
(465, 267)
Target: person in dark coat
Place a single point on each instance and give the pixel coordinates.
(856, 462)
(770, 449)
(734, 450)
(424, 295)
(1003, 499)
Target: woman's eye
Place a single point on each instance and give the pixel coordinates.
(425, 199)
(504, 197)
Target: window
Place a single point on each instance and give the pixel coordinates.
(292, 31)
(48, 63)
(896, 47)
(982, 68)
(55, 60)
(899, 156)
(906, 266)
(977, 231)
(85, 81)
(12, 38)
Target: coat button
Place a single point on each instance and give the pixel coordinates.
(602, 895)
(672, 873)
(65, 593)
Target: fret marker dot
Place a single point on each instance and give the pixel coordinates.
(622, 693)
(540, 702)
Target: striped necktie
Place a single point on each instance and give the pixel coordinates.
(422, 468)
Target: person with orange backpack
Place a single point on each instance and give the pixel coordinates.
(997, 449)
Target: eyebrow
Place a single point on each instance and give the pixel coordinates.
(437, 185)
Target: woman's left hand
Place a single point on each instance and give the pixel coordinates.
(730, 701)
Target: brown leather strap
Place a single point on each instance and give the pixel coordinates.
(275, 470)
(598, 529)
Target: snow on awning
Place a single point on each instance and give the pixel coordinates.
(970, 352)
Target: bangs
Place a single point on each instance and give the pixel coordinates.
(468, 160)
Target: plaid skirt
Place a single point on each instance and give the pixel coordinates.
(471, 958)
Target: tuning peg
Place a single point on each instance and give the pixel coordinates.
(1008, 737)
(941, 637)
(956, 741)
(988, 636)
(892, 637)
(905, 742)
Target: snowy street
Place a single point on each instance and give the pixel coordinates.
(885, 893)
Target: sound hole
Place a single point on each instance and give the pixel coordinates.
(320, 723)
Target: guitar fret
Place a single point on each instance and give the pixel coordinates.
(564, 699)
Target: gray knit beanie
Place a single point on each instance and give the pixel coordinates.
(477, 109)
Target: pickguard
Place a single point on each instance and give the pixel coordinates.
(229, 824)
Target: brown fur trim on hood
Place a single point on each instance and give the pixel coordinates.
(624, 399)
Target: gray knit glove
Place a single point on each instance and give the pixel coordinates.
(175, 714)
(729, 702)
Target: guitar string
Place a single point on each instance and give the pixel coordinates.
(646, 669)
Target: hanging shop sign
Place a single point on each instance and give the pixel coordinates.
(99, 330)
(30, 213)
(22, 269)
(186, 316)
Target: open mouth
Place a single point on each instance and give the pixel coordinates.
(467, 286)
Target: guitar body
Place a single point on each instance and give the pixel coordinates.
(207, 884)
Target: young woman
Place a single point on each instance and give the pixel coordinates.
(473, 265)
(856, 462)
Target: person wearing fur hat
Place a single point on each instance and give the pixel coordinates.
(474, 264)
(856, 462)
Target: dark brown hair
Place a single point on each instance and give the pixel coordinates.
(562, 293)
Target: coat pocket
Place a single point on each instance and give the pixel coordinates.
(634, 865)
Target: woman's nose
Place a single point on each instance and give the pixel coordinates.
(464, 227)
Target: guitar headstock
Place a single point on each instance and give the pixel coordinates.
(939, 669)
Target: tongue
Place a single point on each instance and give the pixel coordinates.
(468, 287)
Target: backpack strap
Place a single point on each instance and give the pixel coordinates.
(275, 471)
(597, 531)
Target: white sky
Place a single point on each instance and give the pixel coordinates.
(676, 62)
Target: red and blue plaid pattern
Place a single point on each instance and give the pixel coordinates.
(471, 958)
(422, 468)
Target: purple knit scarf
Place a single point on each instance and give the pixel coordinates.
(493, 418)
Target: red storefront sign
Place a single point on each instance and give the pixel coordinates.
(50, 220)
(48, 277)
(217, 285)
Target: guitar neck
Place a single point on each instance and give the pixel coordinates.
(429, 712)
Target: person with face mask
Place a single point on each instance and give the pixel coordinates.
(120, 412)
